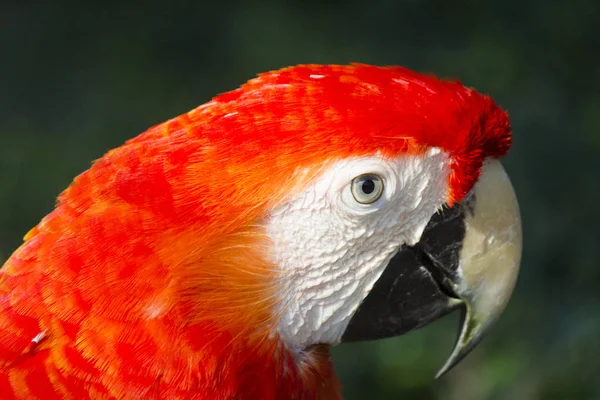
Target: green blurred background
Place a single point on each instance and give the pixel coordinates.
(77, 80)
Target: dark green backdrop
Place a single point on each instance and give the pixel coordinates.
(76, 80)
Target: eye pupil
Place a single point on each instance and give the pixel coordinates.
(368, 186)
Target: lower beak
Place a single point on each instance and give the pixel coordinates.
(468, 258)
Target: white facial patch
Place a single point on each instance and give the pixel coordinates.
(331, 249)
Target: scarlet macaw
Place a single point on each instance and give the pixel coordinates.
(221, 253)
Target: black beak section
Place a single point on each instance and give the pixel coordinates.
(416, 288)
(468, 258)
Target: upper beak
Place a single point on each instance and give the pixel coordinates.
(468, 258)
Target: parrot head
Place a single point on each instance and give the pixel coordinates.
(312, 206)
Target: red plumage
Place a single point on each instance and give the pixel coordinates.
(149, 278)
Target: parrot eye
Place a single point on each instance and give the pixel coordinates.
(367, 188)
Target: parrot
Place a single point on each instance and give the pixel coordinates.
(222, 253)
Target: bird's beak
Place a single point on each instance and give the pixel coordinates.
(468, 258)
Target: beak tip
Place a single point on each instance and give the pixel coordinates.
(447, 367)
(470, 334)
(460, 351)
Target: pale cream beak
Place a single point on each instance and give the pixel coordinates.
(489, 259)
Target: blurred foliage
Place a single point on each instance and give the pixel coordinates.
(78, 78)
